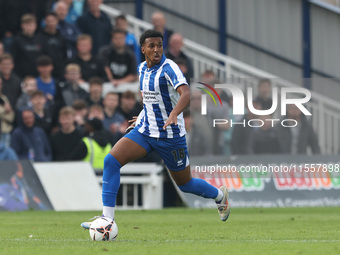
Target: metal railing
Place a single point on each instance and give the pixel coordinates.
(326, 111)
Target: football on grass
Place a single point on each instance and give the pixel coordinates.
(103, 229)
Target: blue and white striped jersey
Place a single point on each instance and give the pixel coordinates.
(158, 85)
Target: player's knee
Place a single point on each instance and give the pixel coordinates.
(110, 162)
(187, 188)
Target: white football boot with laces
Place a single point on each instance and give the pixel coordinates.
(223, 207)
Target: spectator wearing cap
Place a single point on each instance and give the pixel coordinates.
(26, 47)
(95, 146)
(96, 23)
(29, 141)
(67, 138)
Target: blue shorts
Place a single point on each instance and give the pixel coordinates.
(173, 151)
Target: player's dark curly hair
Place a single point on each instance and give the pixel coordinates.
(148, 34)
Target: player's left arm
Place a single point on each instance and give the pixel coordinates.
(183, 102)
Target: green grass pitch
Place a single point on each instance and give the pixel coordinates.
(177, 231)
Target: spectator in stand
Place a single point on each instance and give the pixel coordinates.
(263, 140)
(80, 110)
(129, 107)
(71, 15)
(29, 85)
(54, 45)
(89, 64)
(95, 91)
(174, 52)
(67, 138)
(30, 142)
(95, 146)
(42, 113)
(158, 20)
(70, 89)
(6, 118)
(95, 23)
(295, 140)
(10, 13)
(241, 133)
(10, 82)
(68, 30)
(113, 119)
(96, 111)
(265, 94)
(26, 47)
(183, 67)
(45, 82)
(131, 42)
(120, 64)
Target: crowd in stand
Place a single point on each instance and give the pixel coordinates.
(48, 49)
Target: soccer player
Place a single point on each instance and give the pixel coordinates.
(159, 127)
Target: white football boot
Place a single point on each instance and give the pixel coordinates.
(223, 207)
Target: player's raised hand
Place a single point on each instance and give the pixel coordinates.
(171, 120)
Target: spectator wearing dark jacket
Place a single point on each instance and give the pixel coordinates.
(11, 87)
(97, 24)
(70, 31)
(89, 64)
(54, 45)
(30, 142)
(26, 47)
(296, 140)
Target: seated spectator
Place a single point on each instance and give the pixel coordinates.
(89, 64)
(42, 113)
(95, 91)
(129, 106)
(6, 118)
(95, 23)
(158, 20)
(131, 42)
(30, 142)
(263, 140)
(296, 140)
(265, 94)
(113, 119)
(26, 47)
(68, 30)
(11, 87)
(80, 111)
(95, 146)
(70, 89)
(67, 138)
(45, 82)
(120, 63)
(29, 85)
(7, 153)
(174, 51)
(54, 45)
